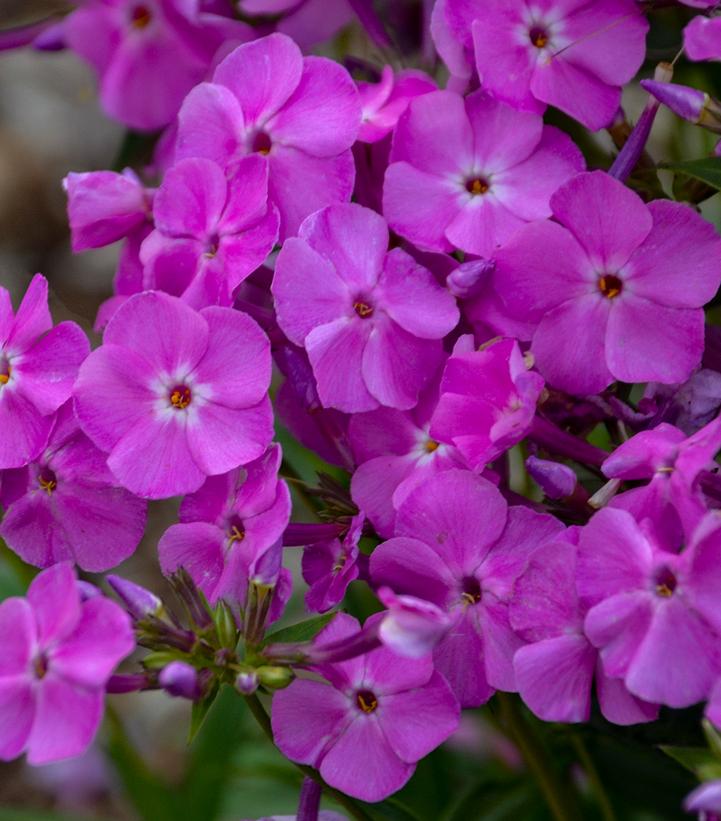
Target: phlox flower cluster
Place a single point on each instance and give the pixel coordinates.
(501, 357)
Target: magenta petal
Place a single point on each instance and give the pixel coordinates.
(648, 342)
(24, 431)
(55, 599)
(154, 461)
(363, 747)
(411, 566)
(482, 225)
(608, 219)
(247, 194)
(336, 352)
(237, 360)
(221, 438)
(554, 677)
(102, 525)
(532, 283)
(679, 635)
(210, 125)
(499, 644)
(701, 38)
(617, 627)
(17, 713)
(460, 658)
(46, 371)
(617, 704)
(66, 720)
(577, 92)
(405, 719)
(301, 184)
(307, 716)
(613, 557)
(382, 432)
(683, 275)
(307, 290)
(570, 345)
(503, 136)
(372, 488)
(162, 328)
(191, 198)
(199, 548)
(17, 637)
(262, 75)
(31, 530)
(434, 134)
(32, 317)
(354, 239)
(322, 116)
(101, 639)
(419, 205)
(526, 189)
(460, 514)
(111, 394)
(396, 365)
(412, 297)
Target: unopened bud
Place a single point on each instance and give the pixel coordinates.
(468, 278)
(688, 103)
(138, 601)
(556, 480)
(247, 682)
(180, 679)
(226, 626)
(275, 678)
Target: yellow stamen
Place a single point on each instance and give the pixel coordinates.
(610, 285)
(47, 484)
(366, 701)
(236, 534)
(180, 397)
(664, 590)
(431, 445)
(363, 309)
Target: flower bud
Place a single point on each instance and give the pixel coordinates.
(688, 103)
(275, 678)
(226, 626)
(557, 481)
(138, 601)
(181, 680)
(247, 682)
(468, 278)
(412, 626)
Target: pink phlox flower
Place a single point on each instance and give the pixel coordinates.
(174, 396)
(66, 505)
(302, 114)
(58, 653)
(460, 547)
(468, 173)
(367, 727)
(618, 289)
(227, 526)
(210, 233)
(38, 365)
(383, 102)
(487, 401)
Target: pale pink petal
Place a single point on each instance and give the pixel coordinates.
(191, 198)
(503, 136)
(196, 546)
(483, 225)
(210, 125)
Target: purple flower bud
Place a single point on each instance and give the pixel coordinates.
(87, 590)
(412, 627)
(556, 480)
(687, 102)
(266, 568)
(468, 278)
(138, 601)
(247, 683)
(181, 680)
(705, 798)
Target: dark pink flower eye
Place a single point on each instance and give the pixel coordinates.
(610, 285)
(236, 530)
(471, 590)
(477, 185)
(4, 371)
(666, 583)
(140, 17)
(261, 143)
(180, 397)
(538, 36)
(47, 480)
(363, 309)
(366, 700)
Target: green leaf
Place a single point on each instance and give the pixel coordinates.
(199, 712)
(303, 631)
(707, 170)
(698, 760)
(713, 738)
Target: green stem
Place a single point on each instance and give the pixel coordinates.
(536, 757)
(263, 719)
(604, 803)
